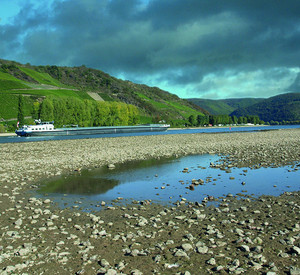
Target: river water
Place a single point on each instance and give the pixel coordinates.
(15, 138)
(167, 181)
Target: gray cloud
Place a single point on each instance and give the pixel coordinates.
(187, 47)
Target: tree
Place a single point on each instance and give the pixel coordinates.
(192, 120)
(21, 110)
(46, 110)
(35, 110)
(102, 114)
(212, 120)
(234, 120)
(240, 120)
(60, 111)
(202, 120)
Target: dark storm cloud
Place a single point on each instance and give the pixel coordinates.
(174, 42)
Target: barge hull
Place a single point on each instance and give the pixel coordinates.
(96, 130)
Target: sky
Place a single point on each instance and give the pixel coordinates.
(211, 49)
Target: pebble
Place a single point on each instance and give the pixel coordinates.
(211, 261)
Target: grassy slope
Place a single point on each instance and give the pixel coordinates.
(214, 107)
(41, 81)
(11, 88)
(51, 92)
(8, 82)
(169, 106)
(9, 105)
(42, 78)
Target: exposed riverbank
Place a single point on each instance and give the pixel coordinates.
(241, 236)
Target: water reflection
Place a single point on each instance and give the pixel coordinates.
(168, 180)
(79, 185)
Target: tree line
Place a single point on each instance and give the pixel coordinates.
(85, 113)
(201, 120)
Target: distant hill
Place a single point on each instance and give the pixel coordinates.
(38, 82)
(284, 107)
(224, 106)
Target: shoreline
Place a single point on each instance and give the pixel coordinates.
(6, 134)
(35, 235)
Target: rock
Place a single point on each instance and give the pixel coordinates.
(240, 232)
(18, 222)
(142, 221)
(245, 248)
(218, 268)
(211, 261)
(202, 249)
(111, 166)
(111, 272)
(157, 258)
(180, 217)
(181, 253)
(294, 270)
(104, 263)
(201, 216)
(187, 247)
(236, 262)
(135, 253)
(296, 249)
(258, 240)
(136, 272)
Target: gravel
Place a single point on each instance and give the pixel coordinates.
(259, 236)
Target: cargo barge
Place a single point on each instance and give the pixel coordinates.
(48, 129)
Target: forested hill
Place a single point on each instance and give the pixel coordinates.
(284, 107)
(87, 83)
(224, 106)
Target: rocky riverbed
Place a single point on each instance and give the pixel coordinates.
(243, 235)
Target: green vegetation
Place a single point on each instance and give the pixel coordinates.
(68, 111)
(58, 93)
(40, 83)
(21, 110)
(42, 78)
(7, 76)
(214, 120)
(281, 109)
(53, 87)
(224, 106)
(11, 84)
(9, 105)
(8, 82)
(285, 107)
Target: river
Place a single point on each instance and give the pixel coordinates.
(15, 138)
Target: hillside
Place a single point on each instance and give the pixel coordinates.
(224, 106)
(39, 82)
(284, 107)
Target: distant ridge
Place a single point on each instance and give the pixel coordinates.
(224, 106)
(284, 107)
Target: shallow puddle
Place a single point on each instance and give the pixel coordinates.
(167, 181)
